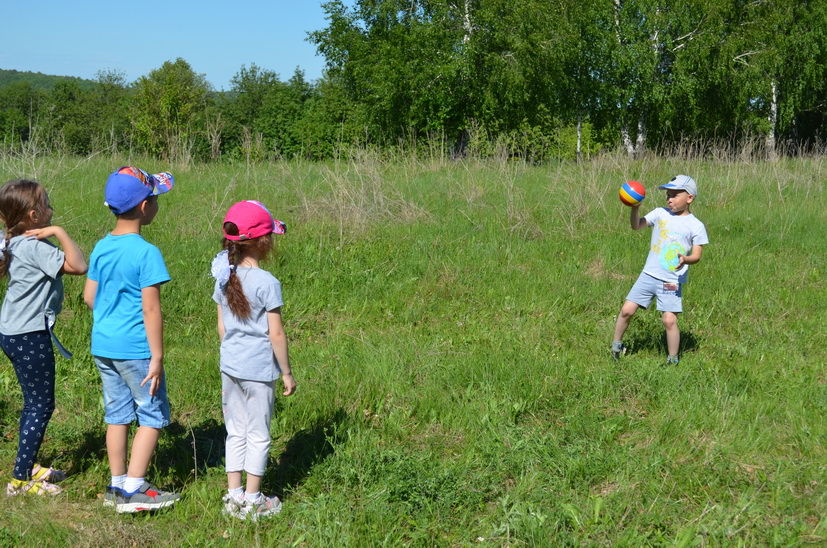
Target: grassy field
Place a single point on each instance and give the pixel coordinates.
(449, 328)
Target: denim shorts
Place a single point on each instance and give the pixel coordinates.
(125, 400)
(668, 295)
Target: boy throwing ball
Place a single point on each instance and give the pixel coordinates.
(678, 238)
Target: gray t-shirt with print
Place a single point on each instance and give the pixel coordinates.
(35, 291)
(246, 351)
(672, 235)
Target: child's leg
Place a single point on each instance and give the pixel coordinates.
(116, 436)
(152, 413)
(235, 422)
(34, 364)
(119, 414)
(253, 484)
(260, 398)
(626, 312)
(233, 480)
(673, 334)
(143, 446)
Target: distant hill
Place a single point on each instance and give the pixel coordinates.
(39, 80)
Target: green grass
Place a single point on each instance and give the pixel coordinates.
(449, 327)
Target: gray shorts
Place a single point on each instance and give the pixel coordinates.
(668, 294)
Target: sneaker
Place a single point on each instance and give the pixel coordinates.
(618, 350)
(32, 487)
(262, 508)
(233, 506)
(112, 495)
(672, 360)
(147, 497)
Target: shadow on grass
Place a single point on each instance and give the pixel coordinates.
(304, 450)
(84, 455)
(656, 341)
(180, 453)
(186, 452)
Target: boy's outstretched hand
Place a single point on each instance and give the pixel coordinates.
(289, 385)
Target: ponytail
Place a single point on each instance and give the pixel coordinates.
(236, 299)
(236, 251)
(5, 255)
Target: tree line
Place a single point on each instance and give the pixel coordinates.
(533, 78)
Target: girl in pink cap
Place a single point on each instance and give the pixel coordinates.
(253, 353)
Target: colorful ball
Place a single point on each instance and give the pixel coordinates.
(632, 193)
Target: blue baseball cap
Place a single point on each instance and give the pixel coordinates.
(682, 182)
(128, 186)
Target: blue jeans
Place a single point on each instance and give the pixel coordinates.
(33, 360)
(125, 400)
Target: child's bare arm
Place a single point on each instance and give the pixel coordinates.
(90, 289)
(73, 262)
(278, 339)
(220, 325)
(635, 219)
(154, 325)
(693, 257)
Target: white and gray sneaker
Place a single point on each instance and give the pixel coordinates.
(262, 508)
(233, 506)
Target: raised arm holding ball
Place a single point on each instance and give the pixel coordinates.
(677, 241)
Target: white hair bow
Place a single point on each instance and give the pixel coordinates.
(221, 268)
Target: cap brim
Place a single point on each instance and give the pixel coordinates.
(164, 182)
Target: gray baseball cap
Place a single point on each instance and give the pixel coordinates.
(682, 182)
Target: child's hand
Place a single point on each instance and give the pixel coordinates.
(154, 375)
(45, 232)
(681, 261)
(289, 385)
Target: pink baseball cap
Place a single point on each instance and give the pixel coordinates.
(253, 220)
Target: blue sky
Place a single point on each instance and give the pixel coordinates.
(216, 38)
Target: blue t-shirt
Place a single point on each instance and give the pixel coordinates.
(246, 351)
(123, 265)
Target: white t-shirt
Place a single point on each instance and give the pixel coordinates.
(246, 351)
(671, 234)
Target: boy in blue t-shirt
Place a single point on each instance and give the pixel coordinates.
(123, 288)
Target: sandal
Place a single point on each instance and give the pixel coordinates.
(32, 487)
(52, 475)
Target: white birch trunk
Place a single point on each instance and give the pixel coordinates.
(627, 140)
(624, 129)
(640, 141)
(466, 23)
(579, 137)
(772, 118)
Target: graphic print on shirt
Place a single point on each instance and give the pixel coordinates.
(668, 247)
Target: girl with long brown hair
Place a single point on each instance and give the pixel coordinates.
(253, 353)
(34, 297)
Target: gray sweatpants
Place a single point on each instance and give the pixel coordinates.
(248, 408)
